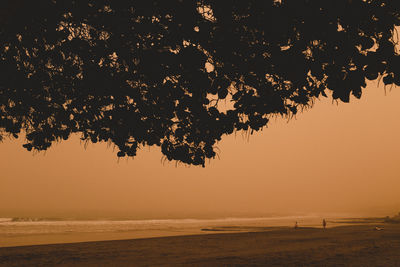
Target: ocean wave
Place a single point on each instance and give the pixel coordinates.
(2, 220)
(152, 221)
(19, 226)
(28, 219)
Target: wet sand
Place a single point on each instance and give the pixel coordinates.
(356, 245)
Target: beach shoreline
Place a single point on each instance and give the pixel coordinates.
(356, 245)
(43, 231)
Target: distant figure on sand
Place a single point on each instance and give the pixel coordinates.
(324, 223)
(296, 225)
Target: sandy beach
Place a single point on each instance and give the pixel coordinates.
(356, 245)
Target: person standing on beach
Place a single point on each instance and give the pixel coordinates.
(296, 225)
(324, 223)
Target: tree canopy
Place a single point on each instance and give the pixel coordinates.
(154, 73)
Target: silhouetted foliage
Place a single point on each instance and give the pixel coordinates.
(143, 72)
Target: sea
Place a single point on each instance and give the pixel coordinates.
(36, 231)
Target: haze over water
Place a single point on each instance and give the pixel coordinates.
(332, 159)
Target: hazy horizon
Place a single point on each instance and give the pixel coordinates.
(332, 158)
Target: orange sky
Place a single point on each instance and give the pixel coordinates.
(333, 158)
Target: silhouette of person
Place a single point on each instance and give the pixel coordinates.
(296, 225)
(324, 223)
